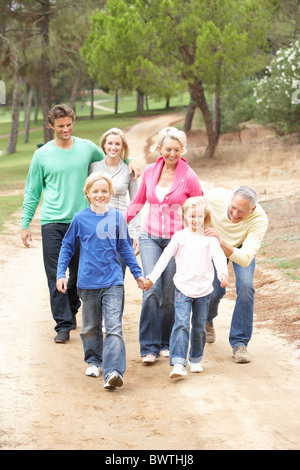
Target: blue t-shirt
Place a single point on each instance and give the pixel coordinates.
(100, 236)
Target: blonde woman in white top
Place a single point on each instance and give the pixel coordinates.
(195, 257)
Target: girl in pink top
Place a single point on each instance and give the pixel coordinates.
(194, 255)
(165, 185)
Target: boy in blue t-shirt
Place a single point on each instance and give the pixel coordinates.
(101, 232)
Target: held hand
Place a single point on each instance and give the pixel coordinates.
(61, 285)
(223, 280)
(26, 237)
(148, 285)
(133, 167)
(141, 282)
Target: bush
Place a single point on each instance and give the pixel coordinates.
(277, 94)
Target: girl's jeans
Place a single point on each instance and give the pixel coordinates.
(242, 318)
(157, 315)
(62, 306)
(180, 336)
(108, 303)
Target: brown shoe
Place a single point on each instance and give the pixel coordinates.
(210, 333)
(241, 355)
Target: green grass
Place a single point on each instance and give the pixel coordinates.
(289, 266)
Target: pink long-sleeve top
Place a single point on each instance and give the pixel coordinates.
(164, 218)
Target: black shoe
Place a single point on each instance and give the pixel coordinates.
(62, 337)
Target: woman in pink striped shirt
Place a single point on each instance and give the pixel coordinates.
(165, 186)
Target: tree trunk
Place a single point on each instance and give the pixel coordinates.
(140, 102)
(210, 131)
(189, 115)
(116, 101)
(217, 116)
(36, 104)
(75, 89)
(13, 136)
(27, 114)
(46, 71)
(92, 100)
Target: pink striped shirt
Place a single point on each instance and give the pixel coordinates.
(164, 218)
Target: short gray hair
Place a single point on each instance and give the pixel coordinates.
(247, 193)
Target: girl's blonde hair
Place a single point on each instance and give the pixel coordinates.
(97, 176)
(125, 147)
(195, 203)
(171, 133)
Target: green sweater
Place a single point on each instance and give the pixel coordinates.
(60, 175)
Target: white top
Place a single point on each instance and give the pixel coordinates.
(161, 192)
(194, 256)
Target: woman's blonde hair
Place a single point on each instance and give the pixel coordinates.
(97, 176)
(125, 147)
(195, 203)
(171, 133)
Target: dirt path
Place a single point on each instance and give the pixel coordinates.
(47, 402)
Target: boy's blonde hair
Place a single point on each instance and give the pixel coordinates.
(125, 147)
(96, 177)
(195, 203)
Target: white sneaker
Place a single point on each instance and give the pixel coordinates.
(150, 358)
(93, 370)
(196, 367)
(165, 353)
(178, 371)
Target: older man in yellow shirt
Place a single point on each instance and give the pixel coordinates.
(240, 224)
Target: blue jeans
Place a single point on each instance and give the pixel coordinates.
(106, 303)
(62, 306)
(157, 314)
(242, 318)
(180, 336)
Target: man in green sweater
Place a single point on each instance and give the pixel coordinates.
(58, 171)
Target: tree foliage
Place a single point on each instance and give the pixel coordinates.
(278, 92)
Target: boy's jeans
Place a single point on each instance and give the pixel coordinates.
(180, 336)
(108, 303)
(157, 315)
(242, 318)
(62, 306)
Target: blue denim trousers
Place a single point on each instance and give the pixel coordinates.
(106, 303)
(242, 319)
(62, 306)
(180, 336)
(157, 314)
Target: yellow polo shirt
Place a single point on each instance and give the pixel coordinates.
(249, 232)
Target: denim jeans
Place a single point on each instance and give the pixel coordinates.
(106, 303)
(180, 336)
(242, 318)
(62, 306)
(157, 314)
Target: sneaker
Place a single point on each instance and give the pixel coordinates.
(62, 337)
(93, 370)
(196, 367)
(113, 380)
(178, 371)
(165, 353)
(241, 355)
(150, 358)
(210, 333)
